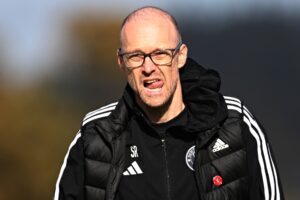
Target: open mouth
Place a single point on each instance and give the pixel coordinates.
(154, 84)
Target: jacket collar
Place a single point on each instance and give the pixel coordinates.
(206, 106)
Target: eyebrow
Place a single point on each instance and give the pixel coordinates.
(140, 51)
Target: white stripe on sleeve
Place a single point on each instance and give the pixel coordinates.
(99, 111)
(107, 106)
(232, 98)
(56, 195)
(268, 171)
(260, 157)
(95, 117)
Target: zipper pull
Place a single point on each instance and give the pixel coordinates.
(163, 142)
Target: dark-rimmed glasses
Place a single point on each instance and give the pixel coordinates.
(159, 57)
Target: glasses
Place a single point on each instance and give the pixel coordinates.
(159, 57)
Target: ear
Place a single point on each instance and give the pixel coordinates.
(182, 55)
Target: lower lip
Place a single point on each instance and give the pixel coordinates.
(154, 90)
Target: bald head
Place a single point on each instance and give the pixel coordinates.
(151, 55)
(148, 14)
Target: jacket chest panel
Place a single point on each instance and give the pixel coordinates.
(222, 163)
(157, 166)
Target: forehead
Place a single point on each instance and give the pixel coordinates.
(148, 32)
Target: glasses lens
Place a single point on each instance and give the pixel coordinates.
(161, 57)
(134, 60)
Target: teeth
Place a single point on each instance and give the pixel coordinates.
(152, 81)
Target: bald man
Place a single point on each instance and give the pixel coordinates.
(172, 135)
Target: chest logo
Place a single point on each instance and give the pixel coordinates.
(190, 157)
(133, 169)
(219, 145)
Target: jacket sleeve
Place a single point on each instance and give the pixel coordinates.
(70, 180)
(264, 182)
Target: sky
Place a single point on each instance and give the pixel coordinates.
(32, 31)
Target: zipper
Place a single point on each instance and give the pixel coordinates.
(163, 142)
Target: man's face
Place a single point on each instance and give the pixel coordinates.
(153, 85)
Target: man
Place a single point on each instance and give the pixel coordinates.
(172, 135)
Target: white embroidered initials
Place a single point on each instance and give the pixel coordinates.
(134, 151)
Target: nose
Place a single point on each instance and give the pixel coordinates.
(148, 66)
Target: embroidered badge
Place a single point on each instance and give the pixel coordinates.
(217, 180)
(190, 157)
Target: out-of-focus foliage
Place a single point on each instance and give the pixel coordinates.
(35, 126)
(39, 121)
(98, 41)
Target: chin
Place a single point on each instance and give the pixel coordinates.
(154, 105)
(154, 102)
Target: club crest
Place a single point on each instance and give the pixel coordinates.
(190, 157)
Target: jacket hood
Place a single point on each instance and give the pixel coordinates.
(200, 87)
(201, 95)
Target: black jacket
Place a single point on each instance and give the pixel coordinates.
(233, 159)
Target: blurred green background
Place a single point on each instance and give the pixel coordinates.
(58, 62)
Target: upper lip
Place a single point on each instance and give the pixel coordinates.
(151, 79)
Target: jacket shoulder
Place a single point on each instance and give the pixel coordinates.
(233, 103)
(95, 137)
(237, 107)
(102, 112)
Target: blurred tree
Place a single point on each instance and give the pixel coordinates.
(36, 129)
(97, 40)
(89, 74)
